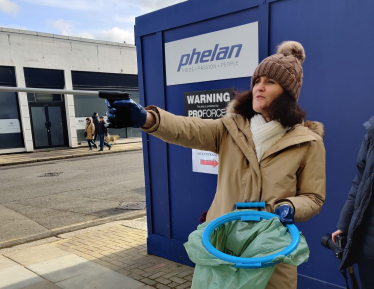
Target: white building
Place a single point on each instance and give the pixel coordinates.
(33, 59)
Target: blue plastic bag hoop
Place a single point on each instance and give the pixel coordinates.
(248, 263)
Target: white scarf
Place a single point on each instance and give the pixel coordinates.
(265, 134)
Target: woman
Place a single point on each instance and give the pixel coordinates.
(357, 216)
(266, 152)
(89, 133)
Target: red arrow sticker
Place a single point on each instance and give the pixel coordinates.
(213, 163)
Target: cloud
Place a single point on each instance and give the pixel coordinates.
(80, 5)
(72, 28)
(116, 35)
(14, 26)
(128, 19)
(65, 26)
(85, 35)
(152, 5)
(9, 7)
(143, 6)
(102, 18)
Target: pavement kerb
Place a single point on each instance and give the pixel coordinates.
(45, 159)
(17, 163)
(68, 229)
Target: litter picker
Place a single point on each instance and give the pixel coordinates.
(111, 95)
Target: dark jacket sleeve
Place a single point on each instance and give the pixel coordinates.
(347, 211)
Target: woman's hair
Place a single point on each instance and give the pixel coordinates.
(88, 118)
(283, 109)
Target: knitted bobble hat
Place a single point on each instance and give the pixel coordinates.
(284, 67)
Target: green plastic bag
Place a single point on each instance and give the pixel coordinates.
(242, 239)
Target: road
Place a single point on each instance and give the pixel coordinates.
(87, 191)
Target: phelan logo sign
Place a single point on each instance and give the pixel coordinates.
(224, 54)
(205, 56)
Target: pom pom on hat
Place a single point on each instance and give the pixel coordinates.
(292, 48)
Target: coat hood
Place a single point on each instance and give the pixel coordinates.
(314, 126)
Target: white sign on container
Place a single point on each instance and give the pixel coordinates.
(9, 126)
(204, 162)
(223, 54)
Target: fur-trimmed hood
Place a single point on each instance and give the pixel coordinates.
(314, 126)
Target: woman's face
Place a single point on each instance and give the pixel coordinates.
(264, 93)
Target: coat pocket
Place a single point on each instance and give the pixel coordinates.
(266, 161)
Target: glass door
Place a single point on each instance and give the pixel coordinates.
(56, 129)
(39, 126)
(47, 126)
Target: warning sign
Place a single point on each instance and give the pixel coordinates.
(208, 104)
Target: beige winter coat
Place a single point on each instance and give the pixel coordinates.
(291, 172)
(90, 129)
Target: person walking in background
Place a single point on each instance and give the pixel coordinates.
(103, 132)
(95, 120)
(89, 133)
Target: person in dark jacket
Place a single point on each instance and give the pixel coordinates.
(357, 216)
(95, 121)
(103, 132)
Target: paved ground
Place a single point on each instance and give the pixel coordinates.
(43, 155)
(112, 256)
(86, 193)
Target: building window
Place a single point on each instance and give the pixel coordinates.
(86, 105)
(10, 121)
(38, 97)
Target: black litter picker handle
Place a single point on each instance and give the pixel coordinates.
(114, 95)
(111, 95)
(124, 119)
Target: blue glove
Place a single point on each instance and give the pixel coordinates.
(286, 214)
(125, 113)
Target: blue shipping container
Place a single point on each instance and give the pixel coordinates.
(337, 91)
